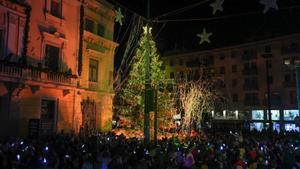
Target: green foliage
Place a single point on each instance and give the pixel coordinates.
(132, 94)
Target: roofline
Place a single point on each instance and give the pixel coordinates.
(234, 46)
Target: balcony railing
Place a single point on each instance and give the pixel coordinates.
(12, 70)
(93, 85)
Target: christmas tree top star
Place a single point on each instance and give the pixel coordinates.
(119, 16)
(146, 30)
(204, 36)
(217, 6)
(269, 4)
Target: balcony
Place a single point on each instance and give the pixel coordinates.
(97, 43)
(14, 71)
(94, 86)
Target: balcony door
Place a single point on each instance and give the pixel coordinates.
(52, 54)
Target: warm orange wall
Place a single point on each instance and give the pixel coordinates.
(68, 27)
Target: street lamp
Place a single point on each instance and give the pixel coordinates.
(295, 64)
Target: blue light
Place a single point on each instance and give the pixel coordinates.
(18, 157)
(44, 160)
(46, 148)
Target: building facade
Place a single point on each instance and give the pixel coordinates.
(248, 73)
(98, 50)
(45, 66)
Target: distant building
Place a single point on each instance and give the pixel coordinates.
(242, 70)
(40, 57)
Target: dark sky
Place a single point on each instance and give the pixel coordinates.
(239, 28)
(226, 31)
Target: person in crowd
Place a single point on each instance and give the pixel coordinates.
(219, 150)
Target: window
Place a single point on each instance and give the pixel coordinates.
(268, 49)
(269, 62)
(89, 25)
(287, 78)
(275, 114)
(270, 79)
(251, 83)
(251, 99)
(1, 43)
(234, 82)
(235, 98)
(234, 68)
(257, 115)
(208, 60)
(222, 70)
(171, 63)
(181, 75)
(293, 97)
(222, 56)
(290, 115)
(291, 127)
(93, 70)
(56, 8)
(276, 126)
(222, 84)
(52, 54)
(233, 54)
(100, 30)
(249, 54)
(172, 75)
(258, 126)
(181, 62)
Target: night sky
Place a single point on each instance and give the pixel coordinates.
(248, 23)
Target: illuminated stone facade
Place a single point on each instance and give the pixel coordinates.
(98, 60)
(40, 59)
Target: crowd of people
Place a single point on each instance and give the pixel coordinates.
(214, 150)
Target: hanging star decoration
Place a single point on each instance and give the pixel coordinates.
(119, 16)
(217, 6)
(269, 4)
(204, 36)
